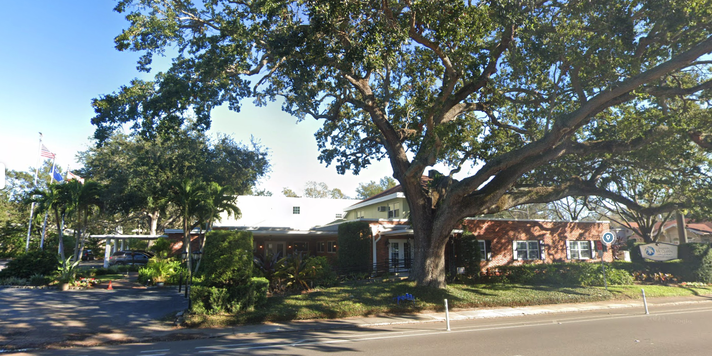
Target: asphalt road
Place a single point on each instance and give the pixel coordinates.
(672, 330)
(37, 317)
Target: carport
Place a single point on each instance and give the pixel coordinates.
(118, 238)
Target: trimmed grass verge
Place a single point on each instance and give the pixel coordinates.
(366, 299)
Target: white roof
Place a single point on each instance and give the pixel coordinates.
(261, 211)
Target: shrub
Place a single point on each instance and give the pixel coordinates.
(634, 249)
(467, 250)
(28, 264)
(39, 280)
(159, 270)
(146, 275)
(230, 299)
(161, 247)
(13, 281)
(320, 272)
(227, 258)
(354, 241)
(571, 274)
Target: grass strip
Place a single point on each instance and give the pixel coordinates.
(378, 298)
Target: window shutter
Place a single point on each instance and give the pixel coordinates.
(514, 250)
(541, 250)
(593, 249)
(568, 250)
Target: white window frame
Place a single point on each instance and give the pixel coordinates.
(531, 246)
(331, 247)
(573, 249)
(485, 254)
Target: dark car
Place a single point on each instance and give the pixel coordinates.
(87, 255)
(129, 258)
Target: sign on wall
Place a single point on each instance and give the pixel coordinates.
(659, 251)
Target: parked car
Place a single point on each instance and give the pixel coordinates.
(87, 255)
(129, 258)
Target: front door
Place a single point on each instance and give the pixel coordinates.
(273, 248)
(400, 252)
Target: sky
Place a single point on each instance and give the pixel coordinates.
(59, 55)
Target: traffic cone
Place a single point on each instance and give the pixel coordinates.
(109, 288)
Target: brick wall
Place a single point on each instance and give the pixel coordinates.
(553, 236)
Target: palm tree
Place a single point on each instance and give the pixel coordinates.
(55, 199)
(218, 199)
(84, 197)
(189, 196)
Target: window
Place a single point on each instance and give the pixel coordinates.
(395, 213)
(578, 250)
(339, 216)
(331, 247)
(301, 247)
(321, 246)
(527, 250)
(485, 249)
(295, 210)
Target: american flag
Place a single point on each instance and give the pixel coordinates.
(46, 153)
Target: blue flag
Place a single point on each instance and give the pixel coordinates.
(57, 176)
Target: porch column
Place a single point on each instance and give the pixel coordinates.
(107, 253)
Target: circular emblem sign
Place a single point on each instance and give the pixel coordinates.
(608, 238)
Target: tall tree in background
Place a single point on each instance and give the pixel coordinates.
(367, 190)
(504, 88)
(313, 189)
(321, 190)
(84, 200)
(137, 171)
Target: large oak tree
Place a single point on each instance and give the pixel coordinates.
(509, 90)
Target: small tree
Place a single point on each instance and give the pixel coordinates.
(354, 242)
(467, 250)
(227, 258)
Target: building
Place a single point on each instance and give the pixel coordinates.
(282, 226)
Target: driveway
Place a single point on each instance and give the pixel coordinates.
(40, 317)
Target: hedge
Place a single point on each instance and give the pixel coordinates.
(354, 243)
(230, 299)
(569, 274)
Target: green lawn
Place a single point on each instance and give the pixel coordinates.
(377, 298)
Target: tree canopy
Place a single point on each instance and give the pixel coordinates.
(367, 190)
(138, 172)
(525, 94)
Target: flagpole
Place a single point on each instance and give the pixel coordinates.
(32, 207)
(44, 225)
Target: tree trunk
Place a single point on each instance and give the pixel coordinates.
(431, 232)
(429, 264)
(59, 236)
(153, 221)
(681, 228)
